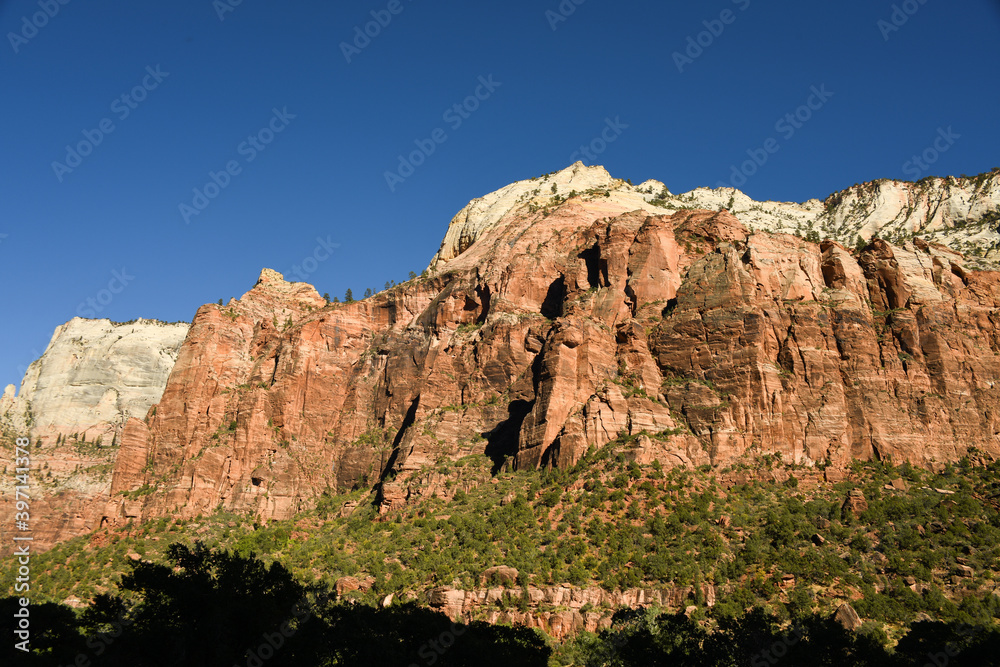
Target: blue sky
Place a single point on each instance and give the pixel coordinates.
(308, 128)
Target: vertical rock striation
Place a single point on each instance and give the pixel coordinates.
(559, 322)
(560, 313)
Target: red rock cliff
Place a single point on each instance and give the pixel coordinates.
(557, 329)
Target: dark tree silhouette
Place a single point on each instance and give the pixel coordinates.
(953, 644)
(54, 636)
(206, 608)
(209, 608)
(408, 634)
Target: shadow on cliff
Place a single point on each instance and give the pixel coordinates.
(501, 442)
(408, 419)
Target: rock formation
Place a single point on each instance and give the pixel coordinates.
(559, 313)
(847, 617)
(551, 322)
(73, 404)
(962, 213)
(575, 608)
(95, 374)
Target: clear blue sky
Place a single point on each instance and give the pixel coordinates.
(323, 174)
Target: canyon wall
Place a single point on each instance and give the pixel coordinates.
(549, 323)
(559, 313)
(73, 404)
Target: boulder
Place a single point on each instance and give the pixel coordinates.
(847, 617)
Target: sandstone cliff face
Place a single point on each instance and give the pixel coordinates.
(962, 213)
(560, 326)
(958, 212)
(483, 213)
(573, 602)
(93, 376)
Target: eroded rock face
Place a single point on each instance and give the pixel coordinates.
(960, 212)
(494, 604)
(95, 374)
(847, 617)
(485, 212)
(855, 504)
(93, 377)
(555, 329)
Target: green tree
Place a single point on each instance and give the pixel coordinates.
(348, 296)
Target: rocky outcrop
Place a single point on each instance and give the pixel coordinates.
(482, 214)
(962, 213)
(95, 374)
(73, 404)
(559, 314)
(855, 504)
(559, 611)
(847, 618)
(563, 324)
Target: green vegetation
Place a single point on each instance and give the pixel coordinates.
(572, 520)
(467, 328)
(214, 607)
(645, 637)
(928, 545)
(206, 606)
